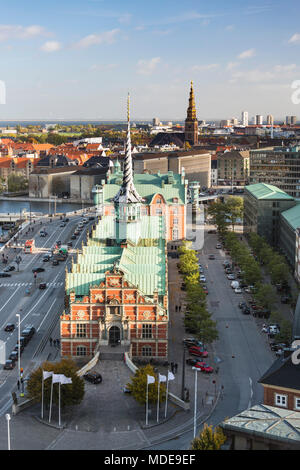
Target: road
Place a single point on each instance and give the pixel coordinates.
(241, 350)
(42, 307)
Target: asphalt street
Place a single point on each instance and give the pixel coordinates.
(41, 308)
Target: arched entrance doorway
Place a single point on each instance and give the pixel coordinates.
(114, 335)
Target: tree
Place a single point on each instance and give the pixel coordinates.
(234, 208)
(71, 394)
(265, 296)
(138, 386)
(16, 182)
(209, 439)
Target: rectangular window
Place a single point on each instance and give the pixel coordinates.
(147, 331)
(81, 330)
(297, 403)
(146, 351)
(175, 221)
(280, 400)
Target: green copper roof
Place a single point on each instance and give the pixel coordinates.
(292, 216)
(267, 191)
(147, 185)
(143, 264)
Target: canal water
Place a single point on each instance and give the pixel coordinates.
(15, 207)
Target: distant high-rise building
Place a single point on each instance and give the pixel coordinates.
(245, 118)
(191, 123)
(270, 120)
(258, 120)
(293, 120)
(233, 121)
(287, 120)
(155, 121)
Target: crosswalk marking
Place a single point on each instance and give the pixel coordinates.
(24, 284)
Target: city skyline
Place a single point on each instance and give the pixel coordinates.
(77, 60)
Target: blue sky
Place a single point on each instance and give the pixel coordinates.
(78, 59)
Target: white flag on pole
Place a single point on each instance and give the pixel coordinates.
(150, 379)
(171, 376)
(162, 378)
(65, 380)
(46, 374)
(56, 378)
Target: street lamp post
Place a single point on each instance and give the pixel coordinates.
(7, 416)
(195, 401)
(19, 345)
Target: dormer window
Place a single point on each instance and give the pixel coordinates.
(158, 201)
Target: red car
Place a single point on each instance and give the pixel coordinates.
(205, 367)
(197, 351)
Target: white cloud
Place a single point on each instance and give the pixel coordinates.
(200, 68)
(11, 32)
(278, 73)
(108, 37)
(103, 67)
(295, 39)
(229, 27)
(51, 46)
(247, 54)
(232, 65)
(146, 67)
(125, 18)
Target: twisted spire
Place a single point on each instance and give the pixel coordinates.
(191, 111)
(127, 192)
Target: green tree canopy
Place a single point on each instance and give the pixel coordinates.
(71, 394)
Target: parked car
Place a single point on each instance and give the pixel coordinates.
(13, 356)
(234, 284)
(242, 305)
(38, 270)
(93, 377)
(28, 332)
(9, 364)
(192, 342)
(205, 367)
(246, 311)
(69, 244)
(202, 278)
(126, 389)
(8, 269)
(193, 362)
(231, 277)
(9, 327)
(276, 346)
(218, 246)
(212, 231)
(238, 290)
(197, 351)
(73, 237)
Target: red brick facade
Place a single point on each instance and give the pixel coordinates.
(115, 310)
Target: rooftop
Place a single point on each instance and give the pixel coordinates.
(267, 421)
(267, 191)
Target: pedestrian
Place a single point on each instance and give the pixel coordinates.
(179, 308)
(18, 384)
(57, 342)
(175, 367)
(50, 341)
(172, 367)
(54, 342)
(176, 308)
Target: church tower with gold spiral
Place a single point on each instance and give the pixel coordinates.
(191, 122)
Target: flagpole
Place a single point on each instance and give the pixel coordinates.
(166, 405)
(158, 399)
(51, 400)
(147, 403)
(42, 413)
(59, 404)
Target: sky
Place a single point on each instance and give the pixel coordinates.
(76, 60)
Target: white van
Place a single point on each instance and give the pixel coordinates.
(235, 284)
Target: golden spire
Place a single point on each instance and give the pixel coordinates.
(191, 111)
